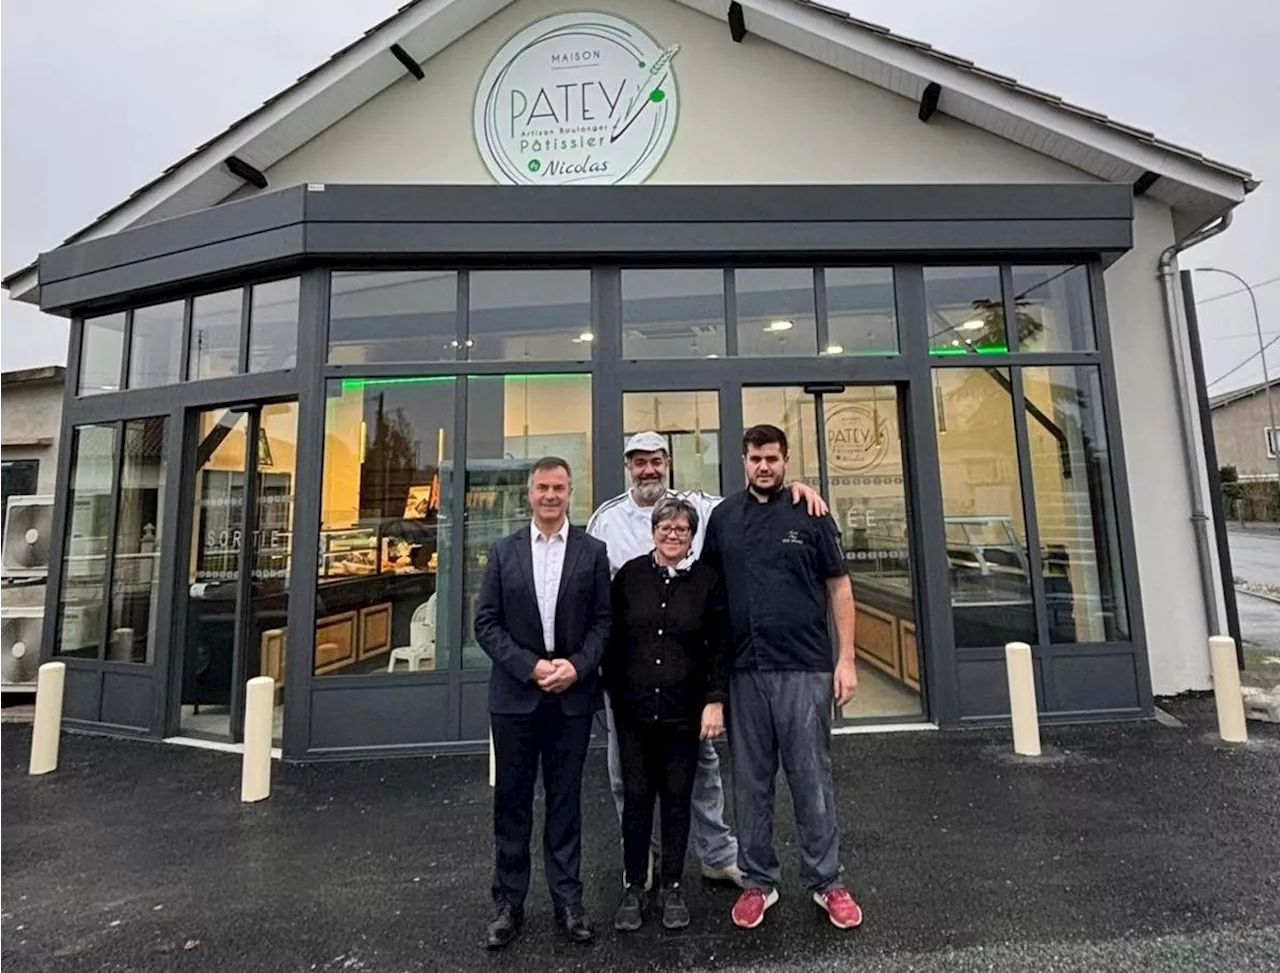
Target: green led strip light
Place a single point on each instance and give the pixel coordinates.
(986, 350)
(357, 384)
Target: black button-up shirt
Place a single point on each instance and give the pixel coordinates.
(668, 652)
(775, 559)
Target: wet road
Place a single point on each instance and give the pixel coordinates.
(1255, 556)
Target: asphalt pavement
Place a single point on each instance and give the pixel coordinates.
(1127, 847)
(1255, 555)
(1255, 563)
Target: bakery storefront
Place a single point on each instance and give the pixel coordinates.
(297, 419)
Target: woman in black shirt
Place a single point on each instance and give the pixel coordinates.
(666, 670)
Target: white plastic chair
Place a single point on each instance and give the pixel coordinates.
(422, 639)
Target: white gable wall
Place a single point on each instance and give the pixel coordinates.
(756, 113)
(749, 113)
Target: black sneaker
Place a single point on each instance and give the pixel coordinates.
(675, 914)
(630, 914)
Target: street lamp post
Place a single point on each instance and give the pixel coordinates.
(1272, 439)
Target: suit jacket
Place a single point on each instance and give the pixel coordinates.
(508, 624)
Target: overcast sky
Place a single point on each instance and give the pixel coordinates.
(97, 98)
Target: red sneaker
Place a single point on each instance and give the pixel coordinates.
(748, 911)
(839, 906)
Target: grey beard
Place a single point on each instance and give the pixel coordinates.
(649, 492)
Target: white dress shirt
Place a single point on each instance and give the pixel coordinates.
(627, 528)
(548, 564)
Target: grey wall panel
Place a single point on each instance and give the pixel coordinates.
(81, 694)
(603, 241)
(983, 688)
(226, 222)
(1094, 681)
(278, 230)
(619, 204)
(379, 716)
(147, 278)
(475, 711)
(128, 699)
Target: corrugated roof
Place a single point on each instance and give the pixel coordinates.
(942, 57)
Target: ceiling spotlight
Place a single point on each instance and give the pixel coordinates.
(584, 337)
(835, 349)
(780, 326)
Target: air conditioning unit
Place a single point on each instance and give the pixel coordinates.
(20, 631)
(28, 531)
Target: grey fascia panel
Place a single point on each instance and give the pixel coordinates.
(276, 231)
(225, 222)
(716, 204)
(226, 257)
(594, 241)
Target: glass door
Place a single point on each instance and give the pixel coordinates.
(236, 577)
(846, 441)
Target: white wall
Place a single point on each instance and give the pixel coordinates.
(755, 113)
(1173, 607)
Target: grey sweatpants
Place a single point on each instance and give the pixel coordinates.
(785, 715)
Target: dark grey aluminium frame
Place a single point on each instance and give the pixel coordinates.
(310, 230)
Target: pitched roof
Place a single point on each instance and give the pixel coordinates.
(1235, 395)
(1197, 186)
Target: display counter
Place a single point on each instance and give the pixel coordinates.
(885, 630)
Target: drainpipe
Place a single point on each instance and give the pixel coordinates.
(1186, 396)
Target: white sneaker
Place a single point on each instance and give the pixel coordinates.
(729, 873)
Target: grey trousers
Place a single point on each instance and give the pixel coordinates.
(713, 843)
(787, 716)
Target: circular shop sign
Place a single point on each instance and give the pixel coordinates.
(577, 99)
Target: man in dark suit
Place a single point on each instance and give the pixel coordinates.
(543, 618)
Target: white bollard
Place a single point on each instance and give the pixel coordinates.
(493, 762)
(46, 730)
(259, 709)
(1022, 699)
(1226, 689)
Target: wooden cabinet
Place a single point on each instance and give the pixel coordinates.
(876, 639)
(885, 630)
(375, 630)
(336, 641)
(352, 636)
(910, 653)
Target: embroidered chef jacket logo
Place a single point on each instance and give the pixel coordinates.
(792, 537)
(577, 98)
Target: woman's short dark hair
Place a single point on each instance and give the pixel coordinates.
(673, 508)
(764, 435)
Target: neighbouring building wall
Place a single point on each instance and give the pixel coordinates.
(1239, 432)
(750, 113)
(30, 417)
(1173, 606)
